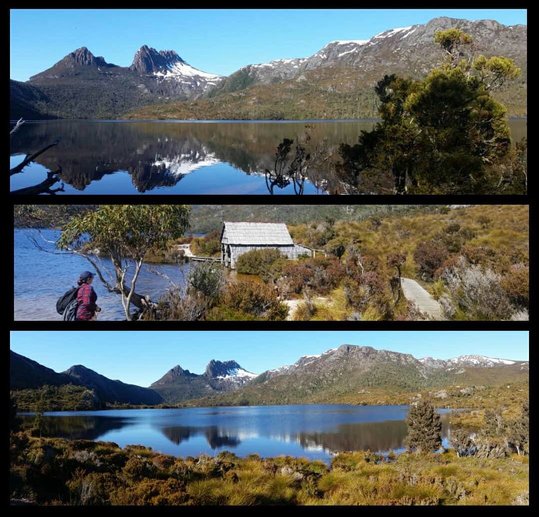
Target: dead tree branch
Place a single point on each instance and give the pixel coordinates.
(45, 186)
(19, 123)
(30, 158)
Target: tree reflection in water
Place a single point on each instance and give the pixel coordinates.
(158, 155)
(75, 427)
(286, 170)
(372, 436)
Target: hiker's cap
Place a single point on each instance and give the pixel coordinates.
(86, 274)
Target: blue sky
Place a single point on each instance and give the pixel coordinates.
(217, 41)
(143, 357)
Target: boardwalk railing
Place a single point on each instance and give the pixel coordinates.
(186, 248)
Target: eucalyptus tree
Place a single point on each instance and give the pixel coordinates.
(125, 234)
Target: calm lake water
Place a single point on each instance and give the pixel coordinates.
(177, 157)
(41, 278)
(311, 431)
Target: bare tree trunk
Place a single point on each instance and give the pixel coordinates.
(138, 266)
(30, 158)
(44, 187)
(19, 123)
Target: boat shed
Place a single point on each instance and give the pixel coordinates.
(239, 238)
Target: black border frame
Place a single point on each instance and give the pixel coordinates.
(10, 201)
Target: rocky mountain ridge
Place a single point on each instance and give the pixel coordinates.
(84, 86)
(347, 369)
(26, 373)
(178, 384)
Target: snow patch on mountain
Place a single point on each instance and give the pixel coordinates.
(347, 52)
(480, 360)
(392, 32)
(181, 69)
(409, 32)
(236, 373)
(185, 164)
(346, 42)
(465, 360)
(279, 62)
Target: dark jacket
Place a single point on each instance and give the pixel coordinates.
(86, 298)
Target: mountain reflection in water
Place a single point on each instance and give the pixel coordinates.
(313, 431)
(141, 157)
(108, 157)
(215, 436)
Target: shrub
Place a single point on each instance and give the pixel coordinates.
(369, 294)
(517, 285)
(455, 237)
(429, 256)
(257, 262)
(462, 442)
(321, 274)
(91, 489)
(138, 468)
(478, 292)
(175, 305)
(207, 246)
(253, 299)
(424, 428)
(481, 255)
(208, 279)
(336, 247)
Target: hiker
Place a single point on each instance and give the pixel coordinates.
(86, 298)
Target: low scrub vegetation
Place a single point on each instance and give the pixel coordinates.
(56, 398)
(53, 471)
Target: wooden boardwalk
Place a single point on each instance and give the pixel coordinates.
(187, 253)
(421, 298)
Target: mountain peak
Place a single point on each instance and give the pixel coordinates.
(148, 60)
(346, 349)
(221, 368)
(83, 57)
(78, 369)
(173, 375)
(171, 55)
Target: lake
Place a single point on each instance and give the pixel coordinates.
(42, 277)
(311, 431)
(178, 157)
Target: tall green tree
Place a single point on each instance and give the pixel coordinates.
(424, 428)
(444, 134)
(125, 233)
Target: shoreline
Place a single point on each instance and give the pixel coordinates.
(220, 121)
